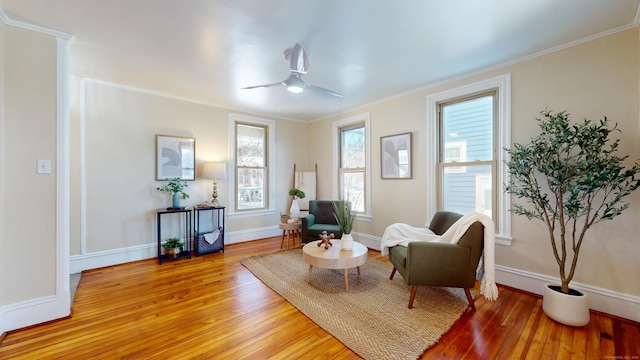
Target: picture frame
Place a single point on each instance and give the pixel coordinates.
(395, 156)
(175, 157)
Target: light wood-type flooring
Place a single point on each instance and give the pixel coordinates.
(211, 307)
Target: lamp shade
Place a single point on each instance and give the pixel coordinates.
(214, 170)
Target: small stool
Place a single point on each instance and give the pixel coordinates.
(291, 230)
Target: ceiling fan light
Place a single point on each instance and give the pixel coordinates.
(296, 89)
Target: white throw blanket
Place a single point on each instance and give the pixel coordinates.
(403, 234)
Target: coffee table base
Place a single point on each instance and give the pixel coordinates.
(334, 258)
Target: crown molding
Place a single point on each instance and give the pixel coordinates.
(43, 30)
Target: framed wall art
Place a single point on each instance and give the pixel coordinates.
(395, 156)
(175, 157)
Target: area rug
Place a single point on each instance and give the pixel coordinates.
(372, 318)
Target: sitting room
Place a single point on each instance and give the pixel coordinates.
(410, 113)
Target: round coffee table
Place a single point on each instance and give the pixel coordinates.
(334, 257)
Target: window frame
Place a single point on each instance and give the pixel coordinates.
(269, 180)
(337, 127)
(502, 84)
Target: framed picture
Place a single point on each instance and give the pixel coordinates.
(175, 157)
(395, 156)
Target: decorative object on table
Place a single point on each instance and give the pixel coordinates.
(345, 217)
(175, 157)
(395, 156)
(570, 178)
(284, 218)
(175, 187)
(172, 247)
(294, 212)
(371, 318)
(325, 240)
(216, 171)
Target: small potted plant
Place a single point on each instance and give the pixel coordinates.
(175, 187)
(570, 178)
(294, 212)
(172, 247)
(345, 217)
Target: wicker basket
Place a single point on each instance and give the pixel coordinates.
(284, 218)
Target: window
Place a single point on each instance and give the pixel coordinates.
(252, 177)
(470, 126)
(466, 162)
(352, 163)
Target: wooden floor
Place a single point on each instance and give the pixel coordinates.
(211, 307)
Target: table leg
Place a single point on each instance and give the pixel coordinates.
(346, 280)
(309, 274)
(282, 241)
(358, 270)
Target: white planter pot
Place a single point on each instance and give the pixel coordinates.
(564, 308)
(346, 242)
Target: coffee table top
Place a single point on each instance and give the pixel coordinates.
(334, 257)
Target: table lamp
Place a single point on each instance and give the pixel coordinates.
(215, 171)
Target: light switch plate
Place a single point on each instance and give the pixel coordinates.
(44, 166)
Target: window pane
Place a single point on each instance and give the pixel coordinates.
(250, 145)
(467, 130)
(467, 191)
(353, 189)
(352, 150)
(250, 188)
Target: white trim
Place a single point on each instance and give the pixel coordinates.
(335, 134)
(271, 164)
(83, 167)
(2, 175)
(36, 28)
(599, 299)
(503, 84)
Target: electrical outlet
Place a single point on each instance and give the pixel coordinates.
(44, 166)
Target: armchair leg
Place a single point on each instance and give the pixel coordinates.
(414, 288)
(471, 302)
(393, 272)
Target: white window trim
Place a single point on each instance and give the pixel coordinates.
(271, 127)
(336, 126)
(503, 84)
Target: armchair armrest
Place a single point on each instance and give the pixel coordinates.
(438, 264)
(308, 220)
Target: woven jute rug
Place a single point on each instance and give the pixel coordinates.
(372, 318)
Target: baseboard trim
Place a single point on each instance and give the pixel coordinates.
(606, 301)
(79, 263)
(35, 311)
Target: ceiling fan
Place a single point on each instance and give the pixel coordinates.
(298, 66)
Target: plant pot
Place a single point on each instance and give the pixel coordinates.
(172, 252)
(176, 200)
(569, 309)
(346, 242)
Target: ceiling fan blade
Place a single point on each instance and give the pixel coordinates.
(323, 91)
(264, 86)
(298, 61)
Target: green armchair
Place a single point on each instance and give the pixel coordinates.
(441, 264)
(319, 219)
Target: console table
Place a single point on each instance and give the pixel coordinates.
(185, 214)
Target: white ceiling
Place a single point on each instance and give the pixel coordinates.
(368, 50)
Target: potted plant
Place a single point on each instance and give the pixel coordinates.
(175, 187)
(570, 178)
(345, 217)
(294, 211)
(172, 247)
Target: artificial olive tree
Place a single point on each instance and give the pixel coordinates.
(570, 177)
